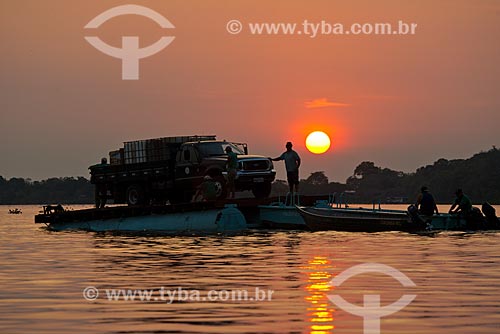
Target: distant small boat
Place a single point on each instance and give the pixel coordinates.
(396, 200)
(357, 220)
(15, 212)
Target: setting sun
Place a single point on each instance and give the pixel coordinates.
(318, 142)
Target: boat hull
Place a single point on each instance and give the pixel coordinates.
(366, 220)
(211, 221)
(353, 220)
(285, 217)
(445, 222)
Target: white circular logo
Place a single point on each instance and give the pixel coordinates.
(371, 311)
(186, 170)
(130, 53)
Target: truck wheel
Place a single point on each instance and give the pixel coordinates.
(262, 190)
(135, 195)
(221, 187)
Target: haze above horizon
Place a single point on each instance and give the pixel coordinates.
(400, 101)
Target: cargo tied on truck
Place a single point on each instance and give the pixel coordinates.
(170, 169)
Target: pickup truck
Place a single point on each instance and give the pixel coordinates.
(171, 168)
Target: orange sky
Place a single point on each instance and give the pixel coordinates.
(400, 101)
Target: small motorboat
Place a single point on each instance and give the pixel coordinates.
(284, 215)
(15, 211)
(379, 220)
(358, 220)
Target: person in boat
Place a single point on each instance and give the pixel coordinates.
(232, 166)
(426, 204)
(206, 191)
(462, 204)
(292, 164)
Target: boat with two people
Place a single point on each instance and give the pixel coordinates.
(379, 220)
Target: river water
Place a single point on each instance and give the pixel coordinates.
(285, 274)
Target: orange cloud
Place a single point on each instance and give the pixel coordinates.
(323, 103)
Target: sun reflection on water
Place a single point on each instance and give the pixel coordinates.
(319, 310)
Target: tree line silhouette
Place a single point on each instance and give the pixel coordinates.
(65, 190)
(478, 176)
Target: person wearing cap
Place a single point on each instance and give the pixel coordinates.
(426, 204)
(232, 166)
(292, 164)
(462, 204)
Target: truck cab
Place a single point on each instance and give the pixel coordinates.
(197, 159)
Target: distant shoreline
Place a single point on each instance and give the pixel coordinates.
(478, 176)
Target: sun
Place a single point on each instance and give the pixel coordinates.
(318, 142)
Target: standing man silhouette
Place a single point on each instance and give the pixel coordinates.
(292, 164)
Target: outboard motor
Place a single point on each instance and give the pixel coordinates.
(413, 213)
(489, 212)
(475, 219)
(417, 219)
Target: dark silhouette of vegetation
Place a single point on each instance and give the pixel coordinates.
(478, 176)
(67, 190)
(316, 184)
